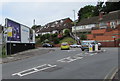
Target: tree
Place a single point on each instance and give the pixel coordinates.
(98, 8)
(111, 6)
(90, 11)
(36, 26)
(66, 32)
(86, 12)
(83, 37)
(56, 40)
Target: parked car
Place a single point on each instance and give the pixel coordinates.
(85, 44)
(47, 45)
(65, 46)
(75, 46)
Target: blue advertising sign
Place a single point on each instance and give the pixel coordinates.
(16, 32)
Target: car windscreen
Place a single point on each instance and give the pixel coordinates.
(64, 44)
(88, 42)
(84, 43)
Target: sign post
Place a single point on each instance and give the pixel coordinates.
(90, 48)
(9, 34)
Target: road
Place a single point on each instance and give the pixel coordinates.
(54, 66)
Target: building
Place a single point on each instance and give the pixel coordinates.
(85, 25)
(108, 30)
(55, 26)
(110, 20)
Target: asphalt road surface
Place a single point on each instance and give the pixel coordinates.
(63, 64)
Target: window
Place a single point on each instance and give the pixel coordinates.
(56, 22)
(61, 21)
(113, 24)
(53, 25)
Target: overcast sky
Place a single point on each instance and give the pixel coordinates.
(42, 12)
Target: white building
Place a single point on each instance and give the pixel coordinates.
(85, 25)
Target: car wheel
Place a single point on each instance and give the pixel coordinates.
(99, 48)
(82, 49)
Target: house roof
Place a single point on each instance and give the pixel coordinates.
(56, 25)
(114, 15)
(91, 20)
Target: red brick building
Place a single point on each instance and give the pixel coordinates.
(55, 26)
(108, 30)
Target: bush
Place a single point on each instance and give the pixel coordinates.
(66, 32)
(56, 40)
(46, 41)
(54, 35)
(83, 37)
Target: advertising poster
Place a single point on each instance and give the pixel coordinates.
(9, 31)
(24, 34)
(15, 35)
(32, 36)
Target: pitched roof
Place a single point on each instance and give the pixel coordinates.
(111, 16)
(91, 20)
(55, 25)
(114, 15)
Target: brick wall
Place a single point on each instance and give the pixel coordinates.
(90, 36)
(100, 31)
(110, 44)
(101, 38)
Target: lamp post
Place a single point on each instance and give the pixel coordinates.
(114, 40)
(74, 23)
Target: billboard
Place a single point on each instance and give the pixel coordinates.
(18, 33)
(13, 31)
(25, 34)
(32, 36)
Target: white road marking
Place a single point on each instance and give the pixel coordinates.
(95, 53)
(33, 70)
(63, 60)
(70, 59)
(104, 50)
(70, 50)
(91, 54)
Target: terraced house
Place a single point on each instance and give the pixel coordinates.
(103, 28)
(107, 30)
(55, 26)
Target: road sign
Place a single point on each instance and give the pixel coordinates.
(90, 48)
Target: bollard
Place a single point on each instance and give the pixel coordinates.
(96, 47)
(90, 48)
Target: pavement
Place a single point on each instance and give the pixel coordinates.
(25, 54)
(63, 64)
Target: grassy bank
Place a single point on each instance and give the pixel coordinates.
(68, 39)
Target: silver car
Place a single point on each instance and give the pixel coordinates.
(75, 46)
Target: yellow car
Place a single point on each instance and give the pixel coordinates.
(65, 46)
